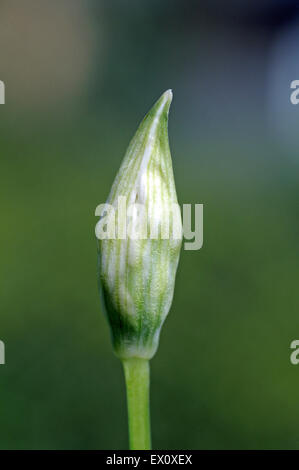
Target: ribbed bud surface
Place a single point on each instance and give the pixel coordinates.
(137, 276)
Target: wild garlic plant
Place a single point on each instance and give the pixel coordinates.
(137, 274)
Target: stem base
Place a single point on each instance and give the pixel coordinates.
(137, 376)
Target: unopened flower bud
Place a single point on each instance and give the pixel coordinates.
(139, 250)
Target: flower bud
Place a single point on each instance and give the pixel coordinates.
(139, 251)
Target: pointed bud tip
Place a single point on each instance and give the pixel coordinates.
(168, 95)
(161, 106)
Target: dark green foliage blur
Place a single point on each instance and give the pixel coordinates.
(222, 378)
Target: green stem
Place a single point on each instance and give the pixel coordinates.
(137, 375)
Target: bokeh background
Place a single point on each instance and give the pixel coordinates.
(79, 76)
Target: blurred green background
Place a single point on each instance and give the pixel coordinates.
(79, 77)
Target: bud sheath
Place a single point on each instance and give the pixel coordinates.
(137, 267)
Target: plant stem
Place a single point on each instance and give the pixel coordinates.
(137, 376)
